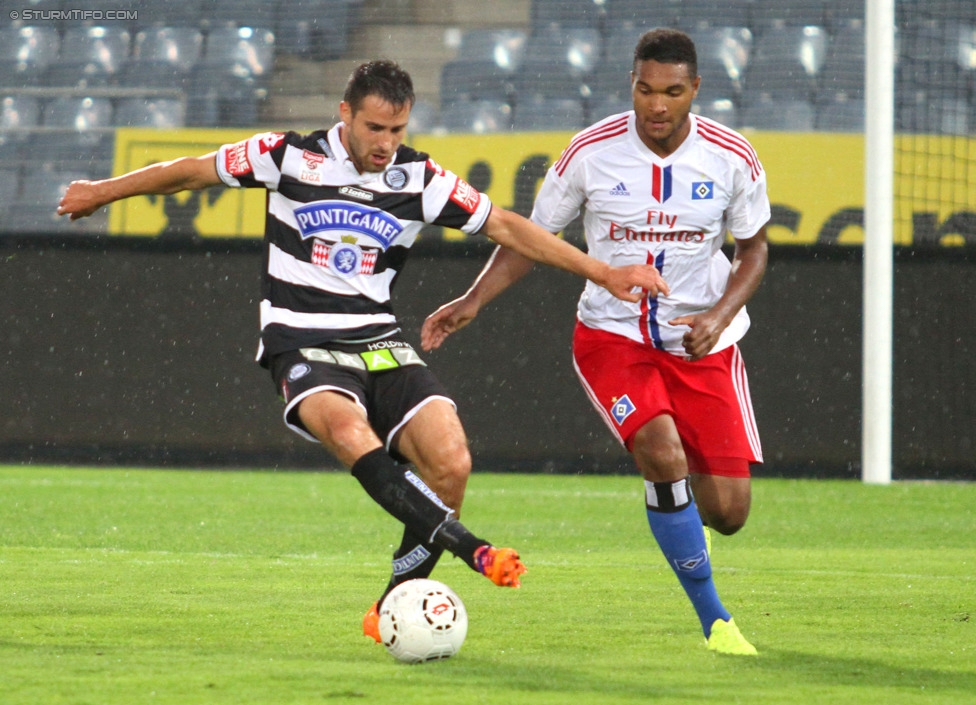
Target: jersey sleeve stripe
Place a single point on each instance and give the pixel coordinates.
(732, 143)
(590, 136)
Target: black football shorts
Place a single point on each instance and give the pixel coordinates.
(386, 378)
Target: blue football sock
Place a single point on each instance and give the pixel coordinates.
(673, 517)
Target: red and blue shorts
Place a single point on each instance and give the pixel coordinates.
(629, 383)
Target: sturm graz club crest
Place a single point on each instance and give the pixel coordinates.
(345, 259)
(395, 178)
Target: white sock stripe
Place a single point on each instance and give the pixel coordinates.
(650, 494)
(681, 494)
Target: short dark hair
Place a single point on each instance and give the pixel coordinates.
(382, 78)
(667, 46)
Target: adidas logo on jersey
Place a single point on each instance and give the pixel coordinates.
(619, 190)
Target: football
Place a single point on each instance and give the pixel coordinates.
(422, 620)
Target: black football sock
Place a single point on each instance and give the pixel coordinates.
(414, 559)
(408, 499)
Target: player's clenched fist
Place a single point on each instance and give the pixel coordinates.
(80, 200)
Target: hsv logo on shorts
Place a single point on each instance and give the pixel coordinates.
(466, 196)
(621, 409)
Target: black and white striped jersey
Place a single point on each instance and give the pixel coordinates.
(335, 239)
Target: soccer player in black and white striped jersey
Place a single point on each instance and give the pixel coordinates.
(344, 207)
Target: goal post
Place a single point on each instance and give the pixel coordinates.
(877, 345)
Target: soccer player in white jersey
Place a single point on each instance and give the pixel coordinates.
(663, 186)
(344, 207)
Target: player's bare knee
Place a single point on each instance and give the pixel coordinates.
(661, 462)
(726, 523)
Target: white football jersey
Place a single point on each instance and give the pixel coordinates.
(671, 212)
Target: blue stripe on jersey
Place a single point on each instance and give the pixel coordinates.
(653, 326)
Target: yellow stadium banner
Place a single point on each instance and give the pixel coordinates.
(216, 212)
(816, 183)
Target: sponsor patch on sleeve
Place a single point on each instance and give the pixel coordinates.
(235, 159)
(466, 196)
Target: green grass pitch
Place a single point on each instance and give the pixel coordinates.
(142, 586)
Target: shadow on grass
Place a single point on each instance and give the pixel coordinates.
(852, 671)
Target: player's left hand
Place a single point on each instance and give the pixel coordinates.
(635, 281)
(449, 318)
(703, 333)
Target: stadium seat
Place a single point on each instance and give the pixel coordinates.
(786, 61)
(610, 84)
(35, 210)
(90, 56)
(600, 108)
(84, 132)
(567, 13)
(642, 14)
(142, 112)
(162, 57)
(185, 13)
(541, 79)
(929, 112)
(9, 187)
(540, 113)
(557, 65)
(838, 13)
(939, 41)
(692, 14)
(766, 112)
(956, 11)
(19, 114)
(844, 63)
(792, 13)
(180, 47)
(26, 52)
(723, 56)
(840, 113)
(965, 47)
(463, 81)
(423, 118)
(504, 47)
(227, 86)
(938, 80)
(245, 13)
(721, 110)
(578, 49)
(618, 46)
(240, 51)
(317, 29)
(479, 116)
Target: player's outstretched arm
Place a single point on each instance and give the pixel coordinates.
(186, 173)
(630, 283)
(521, 243)
(504, 268)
